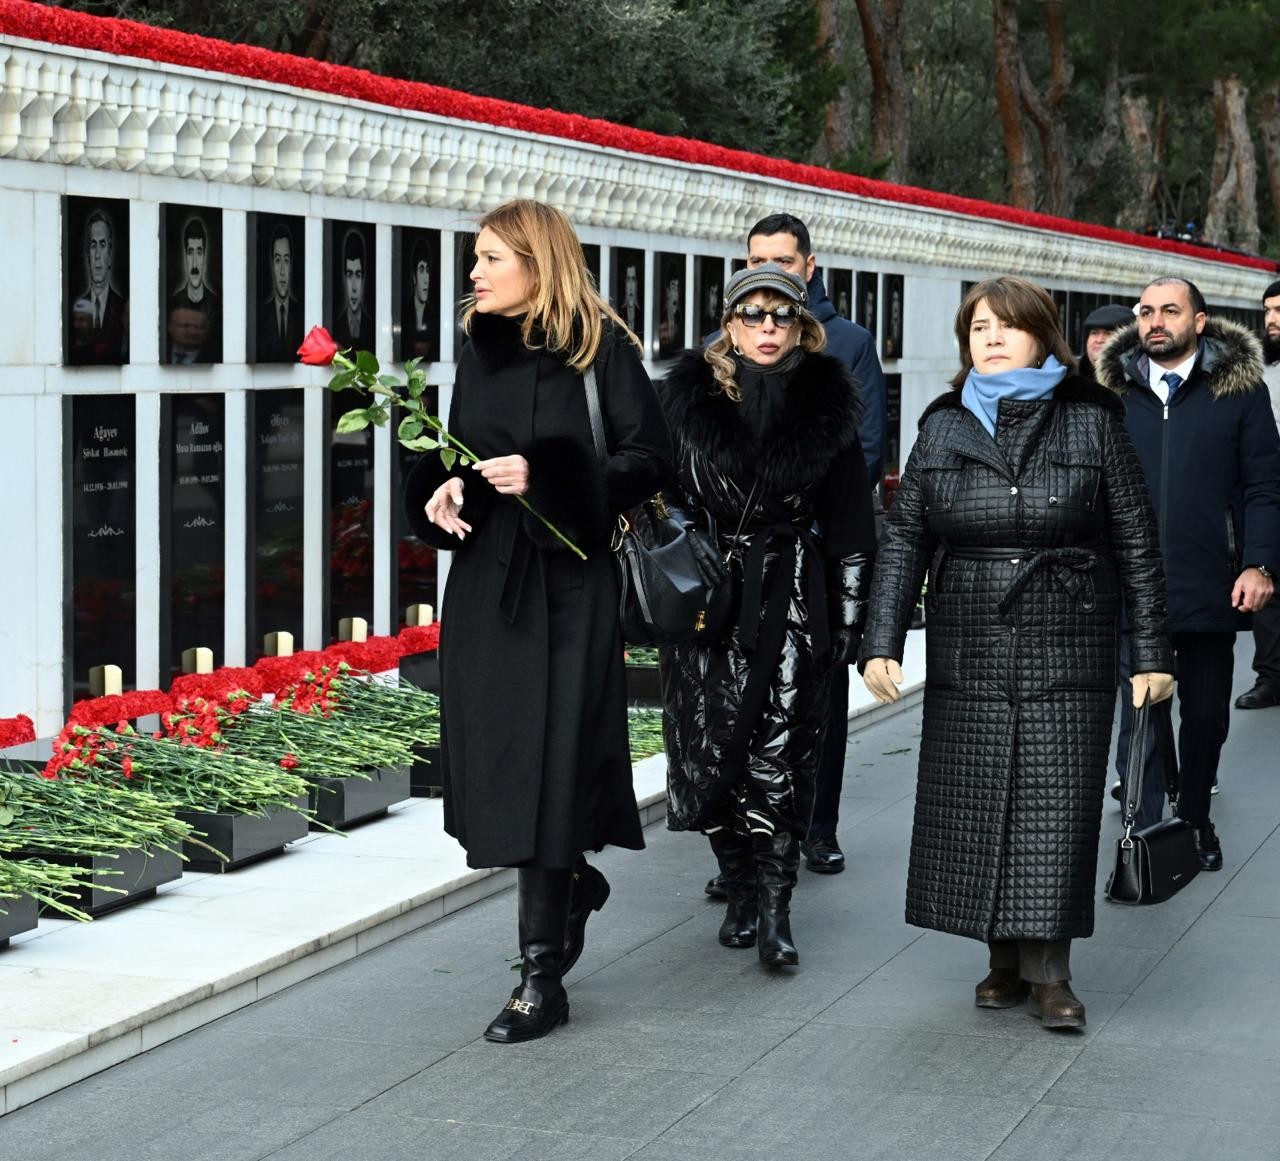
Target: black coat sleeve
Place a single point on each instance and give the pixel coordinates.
(428, 474)
(906, 547)
(1135, 543)
(567, 482)
(1260, 482)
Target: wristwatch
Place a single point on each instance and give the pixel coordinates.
(1262, 568)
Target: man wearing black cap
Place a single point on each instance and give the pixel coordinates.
(1098, 328)
(1266, 622)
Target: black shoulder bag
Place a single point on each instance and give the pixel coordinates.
(674, 587)
(1155, 863)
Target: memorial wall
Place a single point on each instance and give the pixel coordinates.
(172, 475)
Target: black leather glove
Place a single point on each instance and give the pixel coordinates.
(844, 647)
(704, 552)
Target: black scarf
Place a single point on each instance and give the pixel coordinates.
(764, 391)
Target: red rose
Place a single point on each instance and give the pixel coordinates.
(318, 348)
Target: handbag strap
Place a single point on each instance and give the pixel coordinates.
(593, 410)
(1147, 717)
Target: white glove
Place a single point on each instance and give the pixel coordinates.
(1160, 686)
(882, 676)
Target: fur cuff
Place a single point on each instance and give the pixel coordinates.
(420, 484)
(566, 485)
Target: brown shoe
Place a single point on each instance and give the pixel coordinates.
(1057, 1005)
(1003, 988)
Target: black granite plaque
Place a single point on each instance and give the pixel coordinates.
(628, 288)
(738, 264)
(190, 284)
(891, 338)
(415, 319)
(1073, 324)
(669, 278)
(414, 568)
(349, 508)
(276, 275)
(866, 298)
(591, 255)
(464, 259)
(100, 539)
(893, 426)
(840, 291)
(708, 295)
(275, 517)
(95, 281)
(349, 280)
(193, 505)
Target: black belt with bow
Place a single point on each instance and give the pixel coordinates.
(1070, 566)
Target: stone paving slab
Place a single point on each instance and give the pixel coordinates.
(679, 1050)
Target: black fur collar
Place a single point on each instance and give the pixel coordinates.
(819, 420)
(1073, 389)
(1230, 359)
(497, 340)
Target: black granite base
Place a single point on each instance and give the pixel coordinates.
(243, 838)
(341, 802)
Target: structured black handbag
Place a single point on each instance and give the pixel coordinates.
(674, 587)
(1155, 863)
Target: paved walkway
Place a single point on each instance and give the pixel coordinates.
(679, 1050)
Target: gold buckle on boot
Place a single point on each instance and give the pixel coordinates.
(524, 1007)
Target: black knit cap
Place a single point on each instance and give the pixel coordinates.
(1109, 318)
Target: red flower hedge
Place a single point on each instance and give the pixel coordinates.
(16, 731)
(127, 38)
(116, 707)
(420, 638)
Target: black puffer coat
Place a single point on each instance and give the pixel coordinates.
(809, 547)
(1034, 539)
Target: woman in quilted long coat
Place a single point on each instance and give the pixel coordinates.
(1024, 502)
(766, 435)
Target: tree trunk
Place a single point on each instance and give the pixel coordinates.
(1232, 217)
(1269, 123)
(890, 93)
(1101, 148)
(1048, 114)
(1143, 144)
(839, 142)
(1020, 169)
(1222, 174)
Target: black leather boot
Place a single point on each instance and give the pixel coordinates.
(777, 865)
(590, 892)
(539, 1004)
(738, 873)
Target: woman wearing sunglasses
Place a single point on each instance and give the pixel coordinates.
(766, 434)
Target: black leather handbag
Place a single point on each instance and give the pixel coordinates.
(1155, 863)
(674, 587)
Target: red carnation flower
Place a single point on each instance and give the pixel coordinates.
(318, 348)
(288, 762)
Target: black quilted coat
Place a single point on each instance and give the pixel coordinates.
(1032, 541)
(801, 563)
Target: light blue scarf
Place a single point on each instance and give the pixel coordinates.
(981, 394)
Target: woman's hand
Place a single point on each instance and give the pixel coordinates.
(1159, 685)
(882, 676)
(443, 508)
(508, 474)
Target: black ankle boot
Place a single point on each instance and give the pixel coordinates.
(539, 1004)
(778, 865)
(738, 871)
(590, 891)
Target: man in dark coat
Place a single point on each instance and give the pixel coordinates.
(1198, 411)
(784, 240)
(1098, 329)
(1266, 621)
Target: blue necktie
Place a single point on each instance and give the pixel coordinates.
(1173, 379)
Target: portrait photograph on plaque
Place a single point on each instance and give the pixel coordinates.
(415, 306)
(277, 268)
(628, 288)
(95, 281)
(708, 295)
(591, 255)
(866, 300)
(274, 499)
(349, 526)
(891, 342)
(893, 427)
(840, 290)
(191, 284)
(415, 565)
(193, 510)
(464, 260)
(349, 281)
(669, 281)
(100, 539)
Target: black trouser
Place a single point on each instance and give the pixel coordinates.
(1266, 644)
(830, 778)
(1206, 665)
(1038, 961)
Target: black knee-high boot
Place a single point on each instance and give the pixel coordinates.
(738, 872)
(778, 865)
(590, 892)
(539, 1004)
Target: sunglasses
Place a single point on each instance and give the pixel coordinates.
(753, 315)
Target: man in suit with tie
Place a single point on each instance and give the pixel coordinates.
(1200, 417)
(98, 312)
(280, 317)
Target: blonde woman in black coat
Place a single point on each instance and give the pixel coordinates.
(536, 765)
(766, 431)
(1024, 499)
